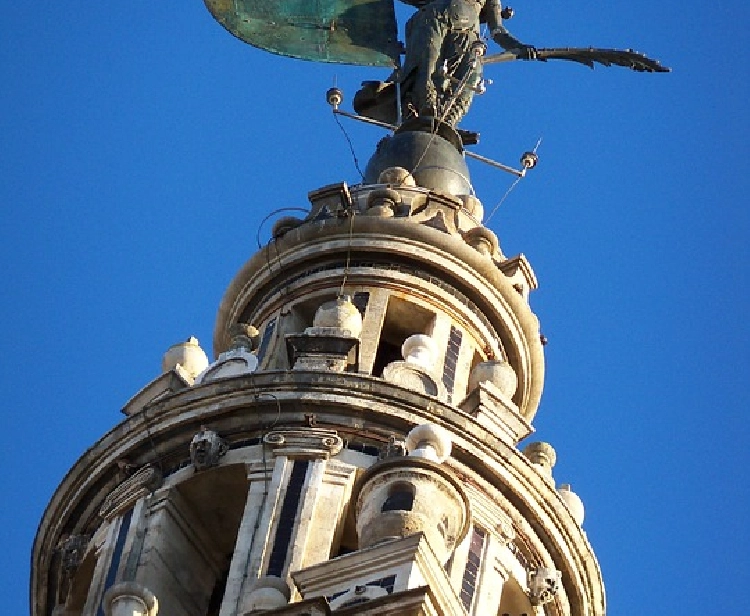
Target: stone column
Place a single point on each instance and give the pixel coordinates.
(262, 497)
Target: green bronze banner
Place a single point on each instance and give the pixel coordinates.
(343, 31)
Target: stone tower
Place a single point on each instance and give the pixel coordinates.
(354, 446)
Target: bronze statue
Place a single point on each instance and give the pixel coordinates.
(443, 55)
(442, 67)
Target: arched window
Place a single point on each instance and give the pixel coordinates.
(400, 498)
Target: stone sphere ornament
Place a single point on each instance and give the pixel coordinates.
(573, 502)
(420, 350)
(340, 313)
(498, 372)
(429, 441)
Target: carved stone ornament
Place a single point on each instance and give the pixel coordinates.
(411, 376)
(129, 599)
(504, 529)
(206, 448)
(72, 551)
(124, 496)
(304, 443)
(543, 585)
(234, 362)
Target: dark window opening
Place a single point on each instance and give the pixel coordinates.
(265, 341)
(386, 354)
(401, 498)
(451, 359)
(360, 300)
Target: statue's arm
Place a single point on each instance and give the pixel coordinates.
(500, 34)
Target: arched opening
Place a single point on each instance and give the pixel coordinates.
(400, 498)
(191, 538)
(402, 319)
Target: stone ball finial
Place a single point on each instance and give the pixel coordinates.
(396, 176)
(498, 372)
(420, 350)
(340, 313)
(189, 355)
(543, 457)
(266, 593)
(129, 599)
(429, 441)
(573, 502)
(541, 453)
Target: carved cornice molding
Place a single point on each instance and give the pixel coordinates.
(304, 442)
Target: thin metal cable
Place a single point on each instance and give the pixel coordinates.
(512, 186)
(351, 146)
(273, 213)
(505, 196)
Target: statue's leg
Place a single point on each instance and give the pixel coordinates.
(425, 32)
(466, 76)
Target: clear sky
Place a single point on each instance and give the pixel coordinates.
(141, 145)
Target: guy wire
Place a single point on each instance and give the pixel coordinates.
(504, 197)
(351, 146)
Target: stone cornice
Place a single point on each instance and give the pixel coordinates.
(348, 403)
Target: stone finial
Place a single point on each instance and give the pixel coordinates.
(429, 441)
(266, 593)
(188, 355)
(130, 599)
(543, 585)
(244, 336)
(543, 457)
(396, 176)
(573, 502)
(420, 350)
(498, 372)
(206, 448)
(340, 314)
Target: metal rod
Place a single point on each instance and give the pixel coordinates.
(354, 116)
(494, 163)
(479, 157)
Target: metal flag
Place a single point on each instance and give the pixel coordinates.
(359, 32)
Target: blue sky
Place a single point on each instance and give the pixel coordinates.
(142, 145)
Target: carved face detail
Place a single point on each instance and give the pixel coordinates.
(206, 448)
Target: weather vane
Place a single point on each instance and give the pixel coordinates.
(444, 56)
